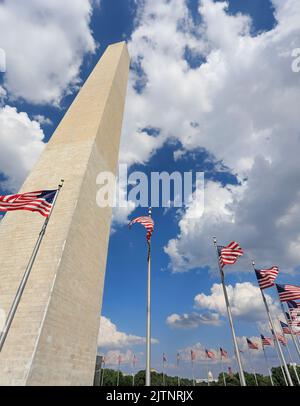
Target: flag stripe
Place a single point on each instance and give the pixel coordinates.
(39, 201)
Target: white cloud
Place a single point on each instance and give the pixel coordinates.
(200, 355)
(110, 337)
(42, 119)
(244, 98)
(45, 49)
(112, 357)
(243, 346)
(21, 142)
(245, 300)
(193, 320)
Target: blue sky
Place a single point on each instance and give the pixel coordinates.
(217, 84)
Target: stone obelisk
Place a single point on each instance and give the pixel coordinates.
(53, 337)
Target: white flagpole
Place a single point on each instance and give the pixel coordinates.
(164, 383)
(118, 375)
(291, 361)
(25, 277)
(280, 362)
(206, 363)
(290, 327)
(222, 366)
(178, 378)
(193, 370)
(252, 366)
(273, 332)
(267, 365)
(148, 339)
(236, 348)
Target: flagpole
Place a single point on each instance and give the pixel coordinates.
(118, 375)
(148, 339)
(28, 269)
(273, 332)
(287, 322)
(222, 366)
(280, 362)
(163, 377)
(178, 378)
(291, 360)
(267, 364)
(207, 373)
(193, 371)
(252, 366)
(236, 349)
(291, 324)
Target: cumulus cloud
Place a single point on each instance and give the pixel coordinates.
(243, 97)
(200, 355)
(243, 346)
(45, 52)
(110, 337)
(245, 300)
(192, 320)
(21, 142)
(112, 357)
(42, 119)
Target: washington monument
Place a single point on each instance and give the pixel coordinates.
(53, 337)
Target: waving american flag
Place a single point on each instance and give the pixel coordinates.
(147, 222)
(229, 255)
(266, 277)
(193, 355)
(39, 201)
(224, 353)
(252, 345)
(265, 340)
(281, 339)
(209, 354)
(288, 292)
(285, 328)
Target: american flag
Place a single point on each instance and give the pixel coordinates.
(147, 222)
(209, 354)
(293, 305)
(285, 328)
(224, 353)
(288, 292)
(251, 345)
(39, 201)
(281, 339)
(266, 277)
(229, 255)
(193, 355)
(265, 340)
(293, 319)
(294, 308)
(164, 358)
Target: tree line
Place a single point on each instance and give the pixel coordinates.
(110, 377)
